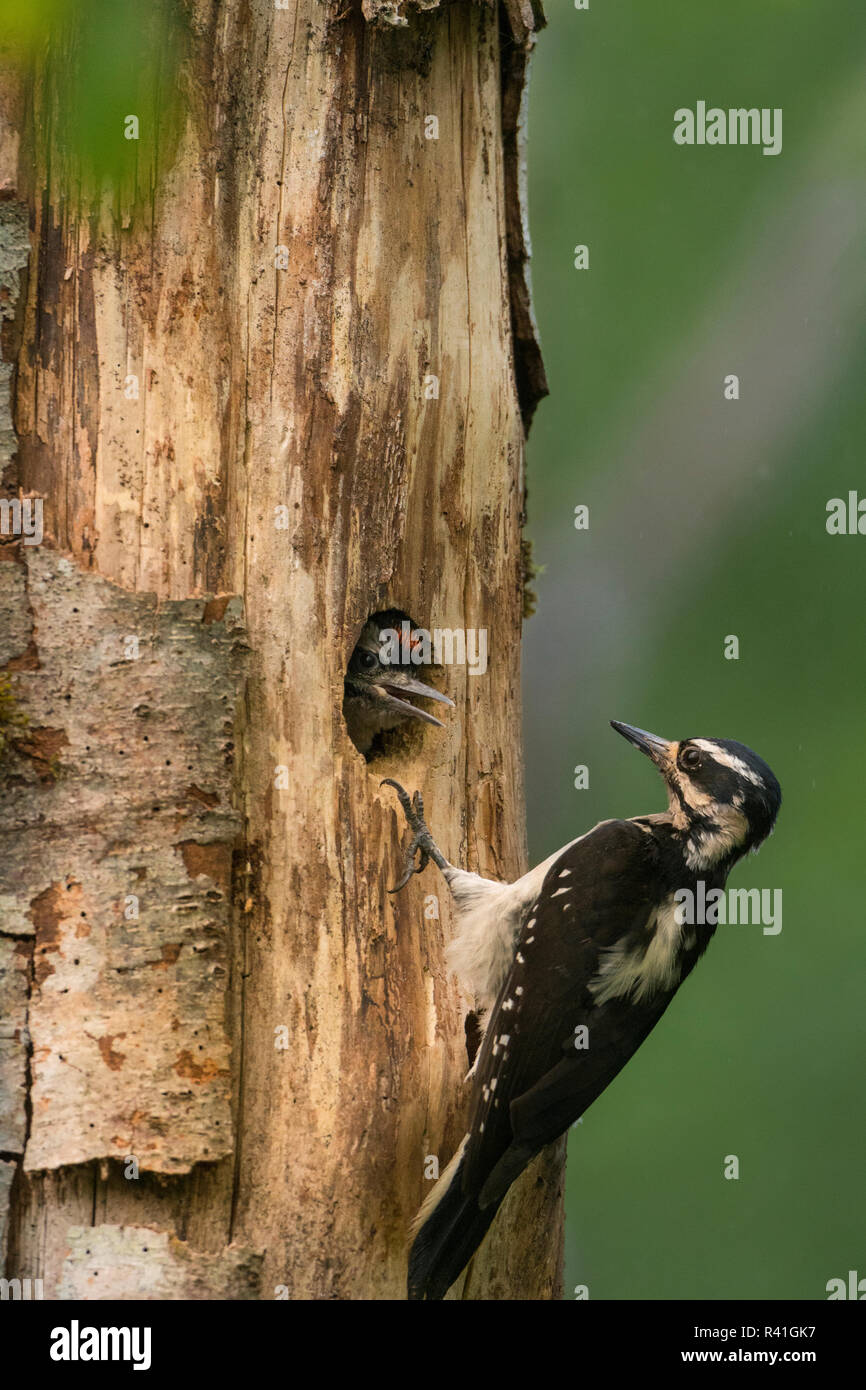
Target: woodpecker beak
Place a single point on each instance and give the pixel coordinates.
(659, 749)
(390, 693)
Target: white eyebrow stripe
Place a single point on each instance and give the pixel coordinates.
(730, 760)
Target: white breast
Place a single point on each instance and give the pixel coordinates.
(632, 974)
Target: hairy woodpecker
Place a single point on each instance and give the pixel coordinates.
(576, 962)
(375, 691)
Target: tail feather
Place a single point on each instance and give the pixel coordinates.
(509, 1167)
(450, 1228)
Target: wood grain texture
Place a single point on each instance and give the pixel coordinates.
(287, 447)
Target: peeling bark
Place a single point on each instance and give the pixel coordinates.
(285, 447)
(126, 901)
(7, 1175)
(15, 964)
(524, 18)
(132, 1262)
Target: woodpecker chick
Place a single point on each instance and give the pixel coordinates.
(375, 692)
(577, 961)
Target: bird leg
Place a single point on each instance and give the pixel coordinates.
(423, 843)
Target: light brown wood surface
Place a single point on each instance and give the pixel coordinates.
(261, 907)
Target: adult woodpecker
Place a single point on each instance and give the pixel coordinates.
(375, 691)
(576, 962)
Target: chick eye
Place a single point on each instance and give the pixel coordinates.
(366, 659)
(691, 757)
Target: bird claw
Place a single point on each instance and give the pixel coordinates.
(411, 866)
(422, 840)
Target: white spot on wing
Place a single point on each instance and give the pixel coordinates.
(490, 917)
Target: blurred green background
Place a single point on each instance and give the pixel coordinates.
(707, 518)
(100, 62)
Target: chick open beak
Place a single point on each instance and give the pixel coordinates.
(391, 692)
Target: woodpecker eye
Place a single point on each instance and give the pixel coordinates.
(366, 659)
(691, 758)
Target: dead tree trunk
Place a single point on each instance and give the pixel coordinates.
(275, 382)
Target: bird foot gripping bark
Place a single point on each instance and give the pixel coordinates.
(422, 843)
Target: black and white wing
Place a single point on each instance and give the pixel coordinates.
(537, 1071)
(555, 1042)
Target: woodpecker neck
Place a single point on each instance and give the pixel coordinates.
(696, 848)
(715, 846)
(711, 840)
